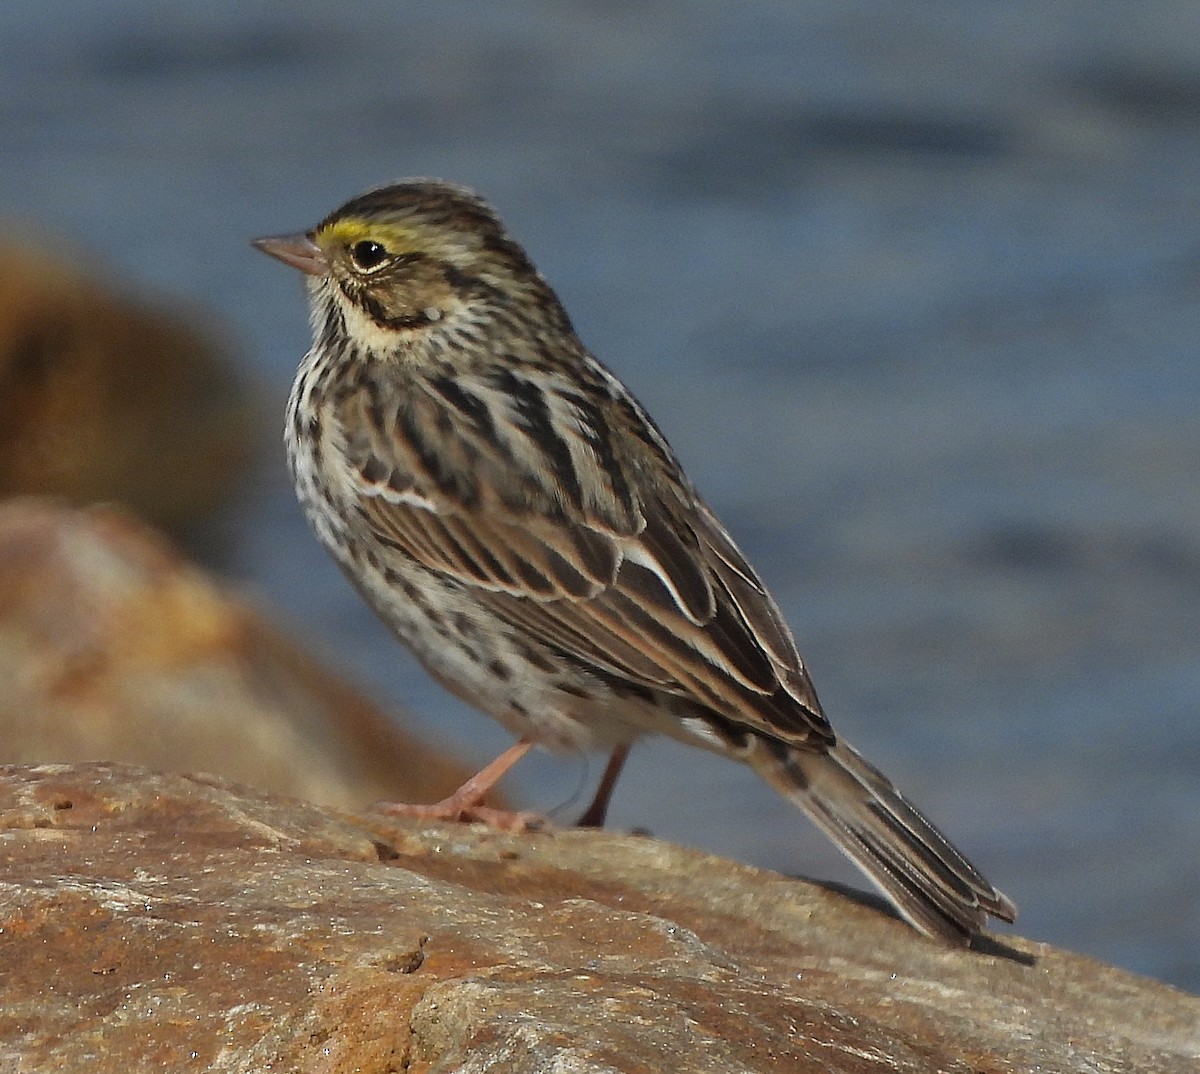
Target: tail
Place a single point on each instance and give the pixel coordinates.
(933, 886)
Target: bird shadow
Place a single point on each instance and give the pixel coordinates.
(983, 945)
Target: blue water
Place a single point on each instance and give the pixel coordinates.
(913, 289)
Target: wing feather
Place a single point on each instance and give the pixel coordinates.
(617, 565)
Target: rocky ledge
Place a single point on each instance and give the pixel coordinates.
(155, 922)
(112, 645)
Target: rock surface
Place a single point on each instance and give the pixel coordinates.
(158, 922)
(113, 648)
(110, 398)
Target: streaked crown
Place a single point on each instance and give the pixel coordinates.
(418, 252)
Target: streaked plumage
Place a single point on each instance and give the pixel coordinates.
(508, 508)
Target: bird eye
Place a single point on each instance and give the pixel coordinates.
(368, 255)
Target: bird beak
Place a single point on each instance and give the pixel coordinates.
(299, 251)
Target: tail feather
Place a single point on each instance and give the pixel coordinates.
(932, 885)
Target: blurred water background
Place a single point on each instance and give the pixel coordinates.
(914, 289)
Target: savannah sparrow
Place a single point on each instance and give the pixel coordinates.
(516, 518)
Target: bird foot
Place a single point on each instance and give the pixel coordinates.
(465, 804)
(455, 811)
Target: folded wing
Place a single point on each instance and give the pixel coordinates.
(578, 533)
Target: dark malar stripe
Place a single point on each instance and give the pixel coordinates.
(416, 319)
(333, 329)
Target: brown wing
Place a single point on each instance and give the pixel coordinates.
(579, 531)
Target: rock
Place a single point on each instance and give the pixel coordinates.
(106, 397)
(113, 648)
(159, 922)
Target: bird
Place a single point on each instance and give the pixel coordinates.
(516, 518)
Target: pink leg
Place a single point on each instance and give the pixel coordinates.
(464, 803)
(593, 816)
